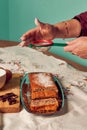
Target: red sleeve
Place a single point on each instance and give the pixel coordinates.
(83, 20)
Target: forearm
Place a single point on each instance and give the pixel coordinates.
(68, 29)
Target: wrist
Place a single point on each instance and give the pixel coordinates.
(62, 30)
(55, 31)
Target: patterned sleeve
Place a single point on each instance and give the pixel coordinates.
(83, 20)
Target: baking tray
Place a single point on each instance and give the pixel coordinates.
(25, 92)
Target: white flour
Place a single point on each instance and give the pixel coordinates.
(43, 79)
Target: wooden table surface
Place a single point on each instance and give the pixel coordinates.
(4, 43)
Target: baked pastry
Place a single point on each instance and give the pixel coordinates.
(42, 85)
(42, 93)
(48, 105)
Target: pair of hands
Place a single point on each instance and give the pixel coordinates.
(48, 32)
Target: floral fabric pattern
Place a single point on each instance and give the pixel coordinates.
(74, 114)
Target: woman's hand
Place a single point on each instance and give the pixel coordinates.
(42, 31)
(78, 47)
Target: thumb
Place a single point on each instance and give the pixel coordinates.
(39, 24)
(67, 42)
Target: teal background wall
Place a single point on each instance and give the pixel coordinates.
(4, 19)
(17, 16)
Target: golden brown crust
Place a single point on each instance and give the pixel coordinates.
(43, 94)
(44, 105)
(42, 85)
(41, 80)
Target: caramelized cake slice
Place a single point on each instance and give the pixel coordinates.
(48, 105)
(43, 93)
(42, 85)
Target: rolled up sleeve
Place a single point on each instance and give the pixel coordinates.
(83, 20)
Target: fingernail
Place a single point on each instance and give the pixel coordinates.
(67, 42)
(36, 21)
(21, 38)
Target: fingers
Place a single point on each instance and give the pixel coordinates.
(83, 56)
(69, 48)
(39, 24)
(70, 42)
(77, 49)
(71, 45)
(21, 43)
(24, 43)
(28, 34)
(80, 52)
(32, 33)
